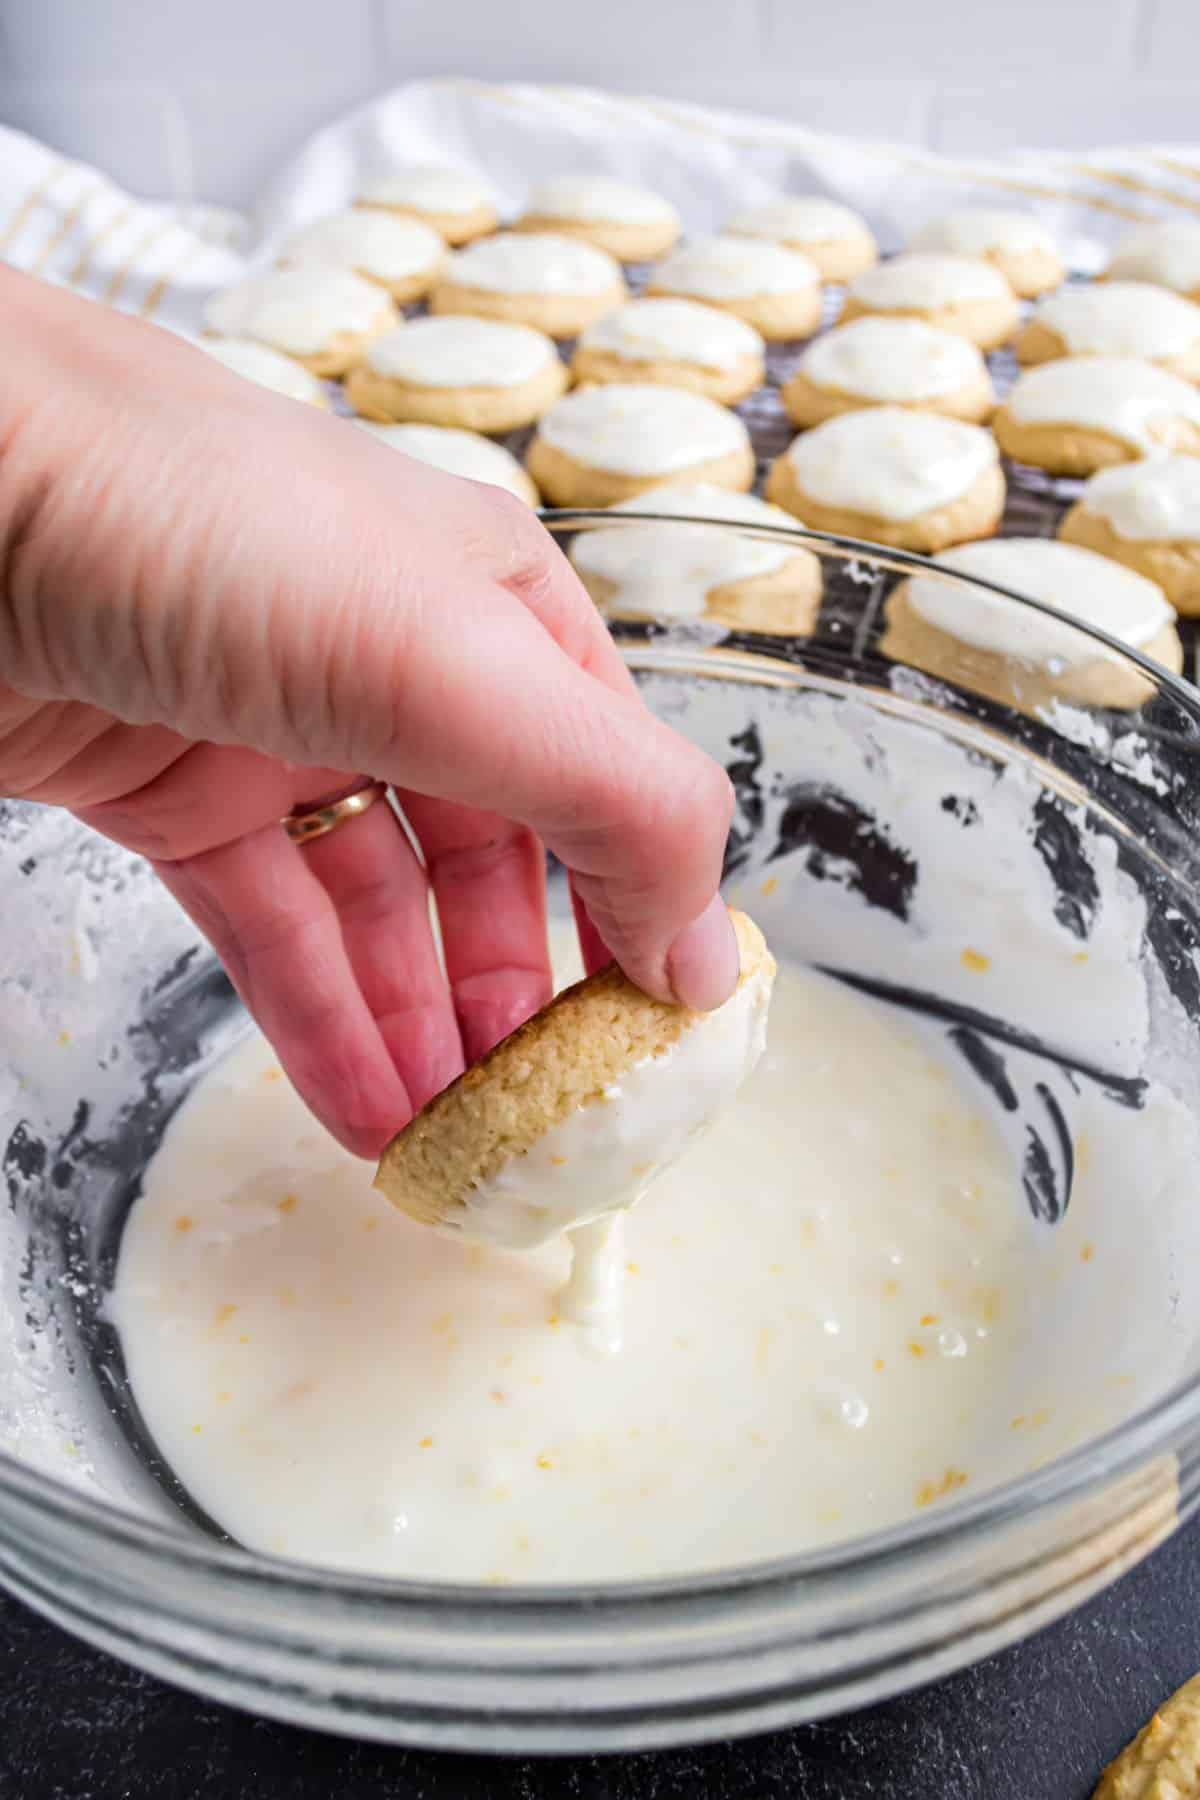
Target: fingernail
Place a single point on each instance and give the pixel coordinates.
(702, 963)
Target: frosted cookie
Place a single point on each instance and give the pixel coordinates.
(459, 453)
(556, 284)
(476, 374)
(889, 362)
(456, 205)
(269, 368)
(913, 480)
(962, 294)
(1014, 242)
(601, 445)
(657, 570)
(1147, 516)
(402, 255)
(774, 289)
(1020, 657)
(631, 223)
(830, 235)
(676, 342)
(1116, 318)
(1163, 1761)
(1086, 412)
(325, 318)
(1167, 254)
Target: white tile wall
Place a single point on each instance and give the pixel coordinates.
(180, 99)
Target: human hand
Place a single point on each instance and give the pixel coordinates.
(218, 605)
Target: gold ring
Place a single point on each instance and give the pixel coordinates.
(318, 821)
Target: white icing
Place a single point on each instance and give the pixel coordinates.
(730, 268)
(1105, 393)
(1167, 253)
(891, 463)
(534, 262)
(675, 330)
(429, 188)
(300, 310)
(1122, 318)
(269, 368)
(458, 452)
(375, 243)
(800, 219)
(461, 352)
(974, 230)
(1149, 502)
(1091, 588)
(641, 429)
(892, 359)
(925, 280)
(602, 198)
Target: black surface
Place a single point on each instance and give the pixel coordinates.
(1036, 1723)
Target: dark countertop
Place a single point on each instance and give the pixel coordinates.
(1035, 1723)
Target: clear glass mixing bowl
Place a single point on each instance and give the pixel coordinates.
(851, 770)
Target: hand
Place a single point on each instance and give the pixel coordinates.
(218, 605)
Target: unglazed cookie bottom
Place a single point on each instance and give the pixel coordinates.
(1038, 342)
(1066, 449)
(1173, 564)
(390, 401)
(987, 322)
(808, 403)
(566, 482)
(558, 315)
(777, 317)
(783, 602)
(727, 386)
(455, 228)
(974, 514)
(627, 241)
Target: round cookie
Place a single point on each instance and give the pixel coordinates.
(474, 374)
(676, 342)
(1166, 254)
(1115, 318)
(556, 284)
(601, 445)
(830, 235)
(1085, 413)
(912, 480)
(1020, 657)
(881, 361)
(962, 294)
(401, 255)
(1147, 516)
(631, 223)
(458, 206)
(661, 570)
(774, 289)
(459, 453)
(324, 318)
(1014, 242)
(269, 368)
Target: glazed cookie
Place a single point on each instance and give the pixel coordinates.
(631, 223)
(601, 445)
(476, 374)
(889, 362)
(1166, 254)
(459, 453)
(1086, 412)
(402, 255)
(774, 289)
(556, 284)
(325, 318)
(830, 235)
(1116, 318)
(1147, 516)
(658, 570)
(269, 368)
(913, 480)
(456, 205)
(1020, 657)
(677, 342)
(962, 294)
(1014, 242)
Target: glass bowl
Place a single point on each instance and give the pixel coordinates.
(886, 814)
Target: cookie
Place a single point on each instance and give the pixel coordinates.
(774, 289)
(830, 235)
(459, 453)
(324, 318)
(1167, 254)
(1085, 413)
(677, 342)
(1147, 516)
(1115, 318)
(556, 284)
(458, 206)
(962, 294)
(1163, 1761)
(1014, 242)
(631, 223)
(401, 255)
(601, 445)
(269, 368)
(889, 362)
(657, 570)
(1020, 657)
(475, 374)
(573, 1115)
(912, 480)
